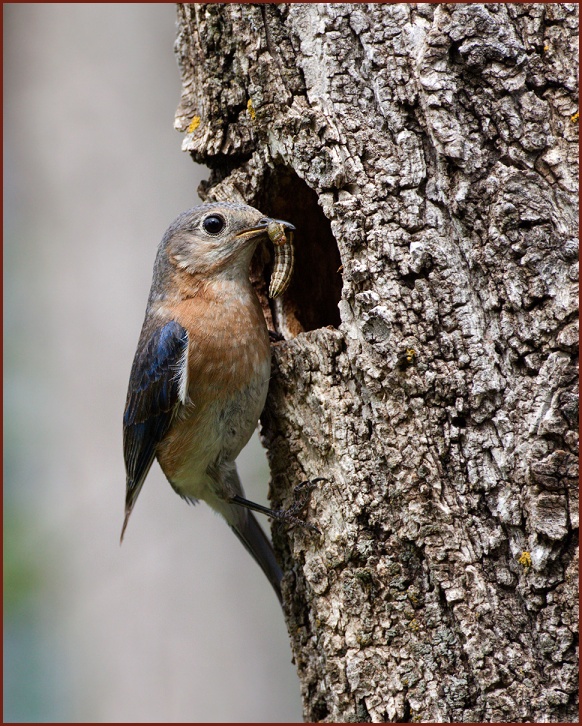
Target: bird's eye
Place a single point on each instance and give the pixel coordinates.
(213, 224)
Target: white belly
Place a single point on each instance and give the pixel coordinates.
(214, 437)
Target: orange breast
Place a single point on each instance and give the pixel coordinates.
(228, 337)
(228, 372)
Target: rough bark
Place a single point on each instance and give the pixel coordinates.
(430, 151)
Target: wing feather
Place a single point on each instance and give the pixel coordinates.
(153, 397)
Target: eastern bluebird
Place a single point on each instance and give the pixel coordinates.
(201, 371)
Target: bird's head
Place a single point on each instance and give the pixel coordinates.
(215, 240)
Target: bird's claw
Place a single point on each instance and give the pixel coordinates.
(289, 515)
(275, 337)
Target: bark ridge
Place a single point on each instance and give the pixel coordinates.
(427, 155)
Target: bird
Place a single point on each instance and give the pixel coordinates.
(200, 374)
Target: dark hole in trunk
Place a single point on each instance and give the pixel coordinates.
(311, 300)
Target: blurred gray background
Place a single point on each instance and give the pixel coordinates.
(179, 624)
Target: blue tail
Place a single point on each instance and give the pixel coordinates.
(249, 531)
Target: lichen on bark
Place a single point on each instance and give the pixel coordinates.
(427, 154)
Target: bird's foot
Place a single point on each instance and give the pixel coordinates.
(275, 337)
(301, 492)
(288, 515)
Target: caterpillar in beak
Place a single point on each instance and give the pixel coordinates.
(284, 259)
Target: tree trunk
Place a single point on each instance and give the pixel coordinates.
(427, 156)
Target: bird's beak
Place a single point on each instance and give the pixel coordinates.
(262, 225)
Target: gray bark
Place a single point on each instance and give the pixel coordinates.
(430, 150)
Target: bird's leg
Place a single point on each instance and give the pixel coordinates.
(279, 515)
(289, 514)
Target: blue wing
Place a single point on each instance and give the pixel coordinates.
(152, 399)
